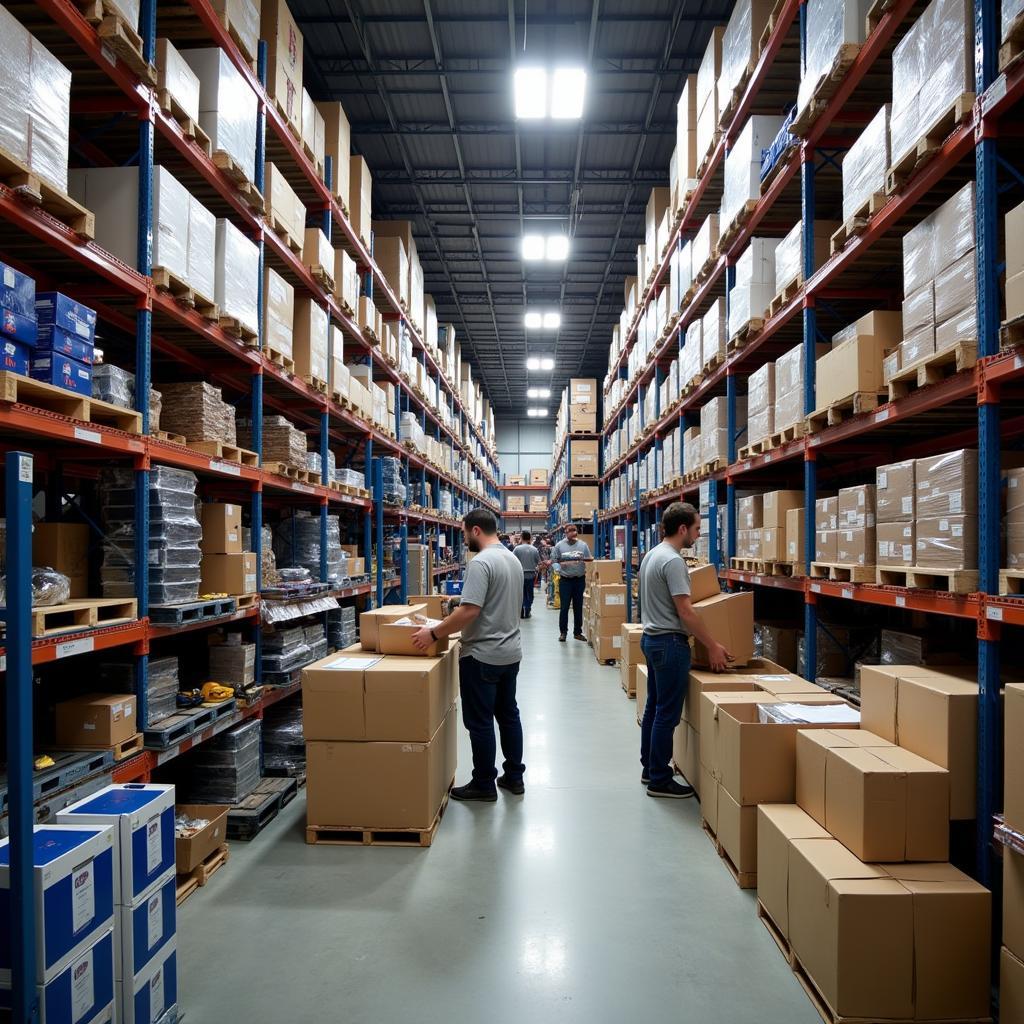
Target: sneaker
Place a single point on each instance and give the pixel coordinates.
(528, 615)
(579, 636)
(512, 785)
(671, 789)
(645, 779)
(475, 791)
(561, 638)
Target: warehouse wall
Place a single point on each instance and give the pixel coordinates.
(524, 444)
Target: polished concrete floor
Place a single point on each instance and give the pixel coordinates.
(584, 901)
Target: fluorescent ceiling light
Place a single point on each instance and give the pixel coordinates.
(557, 247)
(540, 363)
(538, 392)
(568, 86)
(531, 89)
(533, 320)
(549, 320)
(533, 363)
(552, 320)
(536, 413)
(533, 247)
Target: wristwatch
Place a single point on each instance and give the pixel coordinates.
(434, 635)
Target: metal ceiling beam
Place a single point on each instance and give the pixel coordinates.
(509, 176)
(406, 65)
(553, 128)
(498, 19)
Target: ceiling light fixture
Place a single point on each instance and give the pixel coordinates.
(549, 320)
(568, 86)
(558, 95)
(531, 91)
(557, 248)
(540, 363)
(538, 392)
(536, 413)
(551, 247)
(533, 320)
(552, 320)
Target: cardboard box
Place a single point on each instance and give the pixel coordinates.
(383, 785)
(1013, 900)
(1013, 779)
(703, 583)
(360, 190)
(750, 512)
(795, 536)
(857, 507)
(737, 832)
(370, 621)
(776, 505)
(947, 542)
(947, 485)
(855, 547)
(584, 458)
(394, 638)
(222, 528)
(729, 618)
(812, 749)
(895, 544)
(337, 145)
(604, 570)
(582, 418)
(539, 477)
(584, 501)
(894, 492)
(228, 574)
(64, 547)
(284, 55)
(826, 514)
(855, 361)
(606, 648)
(1011, 979)
(826, 546)
(96, 720)
(191, 851)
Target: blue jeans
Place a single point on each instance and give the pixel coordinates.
(489, 694)
(570, 591)
(668, 679)
(528, 581)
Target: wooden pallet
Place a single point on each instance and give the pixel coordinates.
(280, 359)
(746, 333)
(756, 448)
(167, 437)
(191, 611)
(769, 28)
(838, 412)
(190, 128)
(304, 476)
(1011, 582)
(40, 395)
(932, 369)
(776, 933)
(1013, 43)
(282, 232)
(119, 751)
(955, 581)
(167, 281)
(928, 144)
(875, 14)
(249, 817)
(763, 567)
(323, 276)
(32, 190)
(857, 222)
(840, 572)
(712, 364)
(116, 35)
(243, 601)
(232, 169)
(824, 89)
(187, 884)
(333, 836)
(233, 326)
(316, 383)
(226, 452)
(1011, 333)
(82, 613)
(736, 224)
(784, 297)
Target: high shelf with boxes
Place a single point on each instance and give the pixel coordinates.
(576, 455)
(769, 348)
(169, 336)
(525, 497)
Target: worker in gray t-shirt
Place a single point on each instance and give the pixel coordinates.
(572, 556)
(669, 620)
(489, 660)
(529, 559)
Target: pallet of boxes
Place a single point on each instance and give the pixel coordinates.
(853, 875)
(607, 609)
(381, 734)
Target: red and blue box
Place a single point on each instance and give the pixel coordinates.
(63, 371)
(61, 311)
(17, 306)
(14, 356)
(63, 343)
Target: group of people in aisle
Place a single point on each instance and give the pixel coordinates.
(500, 580)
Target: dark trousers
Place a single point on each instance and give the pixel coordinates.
(668, 679)
(570, 590)
(489, 695)
(528, 581)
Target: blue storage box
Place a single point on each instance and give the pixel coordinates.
(73, 894)
(61, 311)
(453, 587)
(61, 342)
(63, 371)
(17, 305)
(142, 815)
(145, 928)
(153, 993)
(15, 356)
(20, 328)
(83, 993)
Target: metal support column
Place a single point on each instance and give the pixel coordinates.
(404, 565)
(810, 607)
(378, 504)
(730, 487)
(628, 556)
(368, 514)
(324, 479)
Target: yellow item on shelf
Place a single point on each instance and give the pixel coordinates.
(216, 693)
(212, 597)
(43, 761)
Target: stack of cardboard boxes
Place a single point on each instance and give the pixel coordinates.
(770, 527)
(381, 728)
(606, 599)
(1011, 989)
(631, 656)
(1015, 263)
(845, 527)
(707, 94)
(226, 568)
(855, 363)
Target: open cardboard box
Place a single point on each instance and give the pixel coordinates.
(191, 852)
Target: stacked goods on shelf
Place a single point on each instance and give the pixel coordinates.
(761, 404)
(174, 535)
(198, 412)
(707, 95)
(631, 657)
(945, 535)
(140, 819)
(1011, 989)
(789, 254)
(845, 527)
(284, 748)
(714, 430)
(835, 30)
(341, 623)
(237, 280)
(289, 646)
(754, 286)
(225, 567)
(607, 606)
(161, 686)
(66, 331)
(284, 60)
(1013, 521)
(770, 527)
(96, 721)
(852, 371)
(278, 314)
(789, 389)
(242, 17)
(18, 322)
(740, 43)
(381, 732)
(657, 225)
(64, 546)
(297, 545)
(224, 769)
(282, 441)
(683, 168)
(177, 84)
(232, 662)
(742, 176)
(360, 195)
(1015, 263)
(714, 334)
(284, 210)
(310, 342)
(864, 168)
(337, 146)
(313, 132)
(112, 384)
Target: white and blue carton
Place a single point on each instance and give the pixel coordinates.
(65, 343)
(142, 815)
(17, 306)
(73, 895)
(153, 993)
(63, 371)
(145, 928)
(63, 312)
(84, 992)
(14, 356)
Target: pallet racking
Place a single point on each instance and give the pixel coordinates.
(973, 407)
(118, 119)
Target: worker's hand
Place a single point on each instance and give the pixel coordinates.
(422, 639)
(718, 658)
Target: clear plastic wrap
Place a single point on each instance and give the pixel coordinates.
(742, 176)
(49, 587)
(894, 492)
(237, 276)
(170, 223)
(112, 384)
(15, 61)
(297, 544)
(831, 26)
(244, 18)
(202, 249)
(225, 769)
(352, 478)
(740, 44)
(161, 686)
(177, 77)
(705, 242)
(947, 542)
(49, 110)
(227, 106)
(234, 663)
(919, 308)
(866, 163)
(1010, 11)
(713, 333)
(284, 746)
(807, 714)
(902, 648)
(691, 353)
(947, 485)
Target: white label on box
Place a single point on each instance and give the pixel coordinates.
(156, 995)
(994, 613)
(81, 330)
(83, 897)
(907, 505)
(70, 647)
(350, 664)
(883, 479)
(117, 710)
(616, 641)
(25, 469)
(231, 468)
(1012, 482)
(9, 279)
(615, 599)
(955, 501)
(908, 554)
(154, 846)
(958, 530)
(232, 536)
(250, 583)
(154, 918)
(944, 526)
(82, 990)
(89, 726)
(92, 436)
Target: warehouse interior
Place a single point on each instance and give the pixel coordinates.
(291, 288)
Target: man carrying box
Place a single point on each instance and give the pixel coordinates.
(571, 555)
(669, 620)
(492, 648)
(529, 559)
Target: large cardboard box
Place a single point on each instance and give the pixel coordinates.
(96, 720)
(396, 638)
(631, 656)
(737, 832)
(776, 504)
(370, 621)
(729, 618)
(604, 570)
(382, 785)
(584, 501)
(228, 574)
(1011, 977)
(894, 492)
(284, 55)
(222, 528)
(360, 191)
(338, 146)
(64, 547)
(584, 458)
(947, 542)
(191, 851)
(1013, 900)
(795, 536)
(1013, 782)
(895, 543)
(855, 360)
(703, 583)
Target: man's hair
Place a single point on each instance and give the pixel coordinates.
(483, 518)
(679, 515)
(526, 536)
(571, 526)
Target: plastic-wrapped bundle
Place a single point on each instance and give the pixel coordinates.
(237, 282)
(14, 74)
(902, 648)
(394, 488)
(705, 242)
(279, 313)
(161, 686)
(742, 176)
(350, 478)
(284, 746)
(754, 286)
(831, 26)
(1011, 10)
(49, 587)
(713, 334)
(225, 769)
(112, 384)
(739, 45)
(49, 111)
(297, 543)
(284, 649)
(866, 164)
(177, 78)
(690, 354)
(244, 18)
(202, 249)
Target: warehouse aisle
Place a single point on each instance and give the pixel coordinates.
(585, 901)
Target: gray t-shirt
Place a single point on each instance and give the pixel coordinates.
(529, 558)
(663, 576)
(494, 583)
(571, 558)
